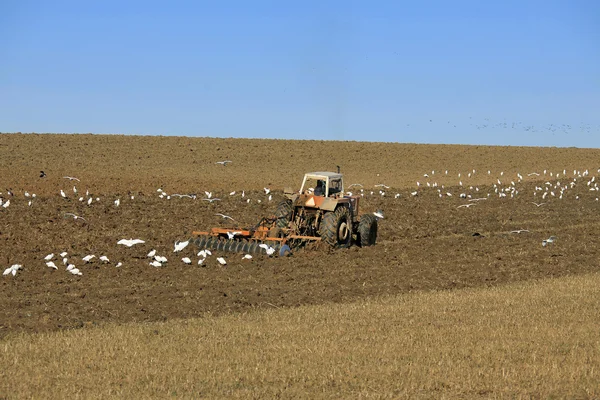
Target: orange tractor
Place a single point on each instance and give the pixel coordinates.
(319, 211)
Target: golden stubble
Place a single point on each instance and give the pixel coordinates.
(537, 339)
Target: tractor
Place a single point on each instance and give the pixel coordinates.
(319, 211)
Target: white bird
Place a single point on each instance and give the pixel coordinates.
(267, 190)
(74, 190)
(63, 254)
(51, 264)
(231, 235)
(89, 202)
(201, 261)
(551, 239)
(519, 231)
(12, 269)
(49, 257)
(62, 193)
(118, 265)
(414, 193)
(223, 163)
(27, 194)
(268, 249)
(221, 261)
(75, 217)
(81, 198)
(117, 202)
(70, 267)
(160, 259)
(71, 178)
(203, 253)
(232, 193)
(466, 205)
(224, 216)
(382, 185)
(155, 263)
(186, 260)
(88, 258)
(130, 242)
(151, 254)
(247, 257)
(180, 245)
(211, 200)
(76, 271)
(537, 204)
(378, 214)
(65, 260)
(104, 259)
(6, 204)
(208, 194)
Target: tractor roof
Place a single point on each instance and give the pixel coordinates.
(323, 175)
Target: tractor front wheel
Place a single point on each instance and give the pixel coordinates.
(336, 228)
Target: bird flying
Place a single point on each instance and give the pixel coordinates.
(130, 242)
(224, 216)
(180, 245)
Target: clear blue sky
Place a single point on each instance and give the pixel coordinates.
(473, 72)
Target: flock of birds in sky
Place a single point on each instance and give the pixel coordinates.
(550, 185)
(518, 126)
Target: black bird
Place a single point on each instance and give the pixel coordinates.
(42, 174)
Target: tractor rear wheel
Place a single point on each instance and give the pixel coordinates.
(283, 214)
(367, 230)
(336, 228)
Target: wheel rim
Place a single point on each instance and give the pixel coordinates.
(343, 232)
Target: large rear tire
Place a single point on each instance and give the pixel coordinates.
(283, 214)
(367, 230)
(336, 228)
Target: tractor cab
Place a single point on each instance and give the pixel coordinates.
(325, 184)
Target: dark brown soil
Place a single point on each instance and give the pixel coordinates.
(425, 242)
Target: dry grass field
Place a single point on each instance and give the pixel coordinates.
(449, 303)
(525, 340)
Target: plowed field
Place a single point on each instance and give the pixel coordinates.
(425, 241)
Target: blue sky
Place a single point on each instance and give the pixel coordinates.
(471, 72)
